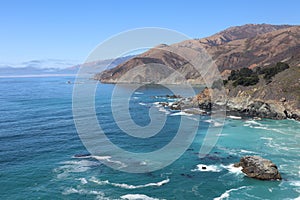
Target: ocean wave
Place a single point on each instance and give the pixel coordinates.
(215, 168)
(247, 151)
(209, 121)
(229, 151)
(276, 146)
(82, 180)
(298, 198)
(214, 123)
(127, 186)
(68, 191)
(181, 113)
(207, 168)
(226, 194)
(142, 104)
(234, 117)
(157, 104)
(137, 197)
(138, 93)
(106, 158)
(252, 123)
(74, 167)
(256, 125)
(232, 169)
(161, 109)
(193, 118)
(266, 138)
(143, 163)
(295, 183)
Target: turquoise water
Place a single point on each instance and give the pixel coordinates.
(38, 141)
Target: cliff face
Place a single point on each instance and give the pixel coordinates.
(278, 99)
(243, 46)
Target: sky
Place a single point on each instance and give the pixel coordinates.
(71, 29)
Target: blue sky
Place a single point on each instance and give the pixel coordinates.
(70, 29)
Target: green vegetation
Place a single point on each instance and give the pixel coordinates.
(247, 77)
(269, 72)
(244, 77)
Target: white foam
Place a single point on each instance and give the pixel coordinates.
(127, 186)
(137, 197)
(232, 169)
(217, 124)
(83, 181)
(74, 167)
(252, 123)
(246, 151)
(277, 146)
(106, 158)
(234, 117)
(268, 129)
(208, 168)
(266, 138)
(226, 194)
(192, 118)
(161, 109)
(270, 190)
(143, 163)
(142, 104)
(214, 123)
(295, 183)
(138, 93)
(81, 191)
(181, 113)
(80, 162)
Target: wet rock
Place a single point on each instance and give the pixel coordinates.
(259, 168)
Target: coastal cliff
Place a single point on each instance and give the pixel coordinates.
(276, 97)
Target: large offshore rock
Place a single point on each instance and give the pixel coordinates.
(259, 168)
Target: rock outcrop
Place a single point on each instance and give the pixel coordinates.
(259, 168)
(278, 99)
(242, 105)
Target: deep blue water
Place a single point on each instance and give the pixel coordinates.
(38, 141)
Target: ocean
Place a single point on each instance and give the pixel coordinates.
(42, 156)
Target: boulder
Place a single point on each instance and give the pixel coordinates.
(259, 168)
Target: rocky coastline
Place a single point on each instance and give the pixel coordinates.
(242, 106)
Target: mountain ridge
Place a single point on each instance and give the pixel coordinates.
(233, 48)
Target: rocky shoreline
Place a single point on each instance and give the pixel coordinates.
(240, 106)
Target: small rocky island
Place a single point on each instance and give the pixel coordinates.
(259, 168)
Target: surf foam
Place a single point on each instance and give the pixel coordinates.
(226, 194)
(137, 197)
(207, 168)
(127, 186)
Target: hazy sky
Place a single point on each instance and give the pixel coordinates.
(70, 29)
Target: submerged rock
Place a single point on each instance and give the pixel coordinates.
(259, 168)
